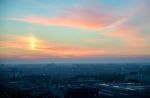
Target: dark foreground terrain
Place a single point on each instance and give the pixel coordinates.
(75, 81)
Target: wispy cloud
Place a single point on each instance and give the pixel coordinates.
(79, 17)
(20, 49)
(93, 17)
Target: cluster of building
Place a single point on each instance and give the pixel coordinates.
(95, 89)
(18, 85)
(76, 89)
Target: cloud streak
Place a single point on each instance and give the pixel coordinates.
(79, 17)
(21, 50)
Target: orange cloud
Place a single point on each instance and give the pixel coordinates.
(18, 47)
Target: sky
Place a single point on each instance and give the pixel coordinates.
(74, 31)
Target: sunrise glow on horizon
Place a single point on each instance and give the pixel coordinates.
(74, 29)
(32, 43)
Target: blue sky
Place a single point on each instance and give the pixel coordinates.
(62, 30)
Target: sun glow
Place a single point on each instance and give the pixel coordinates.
(32, 43)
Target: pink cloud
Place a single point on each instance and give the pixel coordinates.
(134, 43)
(62, 21)
(79, 17)
(85, 17)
